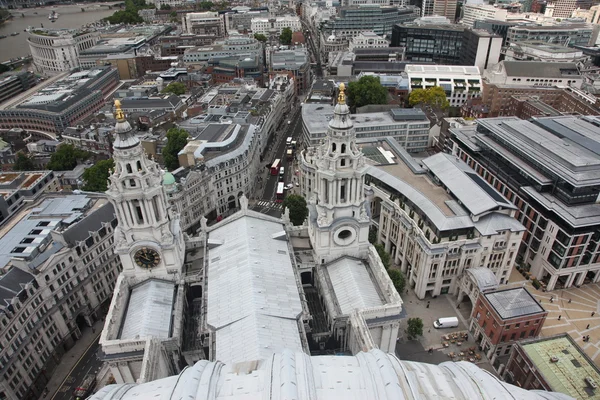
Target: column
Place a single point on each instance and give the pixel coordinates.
(386, 340)
(581, 278)
(350, 190)
(126, 372)
(552, 282)
(597, 276)
(570, 280)
(114, 369)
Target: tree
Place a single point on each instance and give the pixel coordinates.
(415, 327)
(435, 97)
(260, 37)
(372, 235)
(176, 140)
(130, 14)
(398, 279)
(165, 7)
(367, 90)
(206, 5)
(297, 206)
(385, 257)
(176, 88)
(286, 36)
(96, 177)
(66, 158)
(23, 162)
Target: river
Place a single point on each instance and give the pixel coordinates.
(70, 16)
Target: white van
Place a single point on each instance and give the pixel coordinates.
(281, 171)
(448, 322)
(288, 141)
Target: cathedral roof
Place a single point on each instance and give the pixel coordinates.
(341, 113)
(125, 138)
(168, 179)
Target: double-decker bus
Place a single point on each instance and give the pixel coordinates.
(280, 192)
(275, 167)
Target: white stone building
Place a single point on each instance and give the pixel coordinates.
(541, 51)
(534, 74)
(56, 51)
(460, 83)
(266, 26)
(204, 23)
(58, 271)
(367, 40)
(141, 339)
(475, 12)
(436, 218)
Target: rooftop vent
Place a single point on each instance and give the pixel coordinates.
(554, 359)
(591, 383)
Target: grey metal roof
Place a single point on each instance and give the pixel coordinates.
(352, 285)
(12, 283)
(494, 223)
(513, 303)
(150, 102)
(149, 310)
(484, 278)
(253, 299)
(475, 194)
(540, 69)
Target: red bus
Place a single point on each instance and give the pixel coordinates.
(280, 192)
(275, 167)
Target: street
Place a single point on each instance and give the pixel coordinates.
(88, 363)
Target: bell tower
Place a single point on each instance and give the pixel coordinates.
(148, 237)
(339, 225)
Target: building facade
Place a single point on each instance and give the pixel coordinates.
(56, 51)
(480, 12)
(60, 271)
(367, 40)
(268, 26)
(13, 83)
(555, 194)
(480, 48)
(204, 23)
(566, 35)
(459, 83)
(439, 44)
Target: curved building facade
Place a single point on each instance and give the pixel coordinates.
(372, 375)
(56, 51)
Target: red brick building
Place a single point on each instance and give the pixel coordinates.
(503, 317)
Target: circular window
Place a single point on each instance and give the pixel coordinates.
(345, 234)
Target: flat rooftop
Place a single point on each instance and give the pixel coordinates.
(566, 146)
(548, 47)
(444, 70)
(568, 374)
(513, 303)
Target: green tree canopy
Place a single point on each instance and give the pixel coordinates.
(260, 37)
(434, 96)
(286, 36)
(385, 257)
(176, 140)
(95, 178)
(66, 158)
(205, 5)
(367, 90)
(415, 327)
(176, 88)
(165, 7)
(23, 162)
(398, 279)
(372, 235)
(297, 206)
(130, 14)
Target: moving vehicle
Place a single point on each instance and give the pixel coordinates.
(289, 153)
(447, 322)
(293, 144)
(14, 34)
(288, 141)
(281, 171)
(84, 390)
(275, 167)
(53, 16)
(280, 192)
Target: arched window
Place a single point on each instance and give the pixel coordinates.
(343, 162)
(333, 147)
(129, 171)
(139, 166)
(343, 148)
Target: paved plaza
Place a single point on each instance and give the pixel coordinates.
(575, 307)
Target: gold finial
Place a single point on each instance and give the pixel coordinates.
(119, 115)
(342, 95)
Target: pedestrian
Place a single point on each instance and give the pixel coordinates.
(431, 350)
(569, 301)
(559, 317)
(588, 326)
(593, 313)
(588, 338)
(458, 306)
(428, 305)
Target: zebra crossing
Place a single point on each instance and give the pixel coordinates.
(269, 204)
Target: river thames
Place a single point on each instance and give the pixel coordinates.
(70, 16)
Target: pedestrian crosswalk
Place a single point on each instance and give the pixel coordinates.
(269, 204)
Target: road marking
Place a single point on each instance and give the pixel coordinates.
(76, 364)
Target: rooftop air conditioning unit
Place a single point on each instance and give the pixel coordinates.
(591, 383)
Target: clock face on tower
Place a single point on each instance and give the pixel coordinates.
(147, 257)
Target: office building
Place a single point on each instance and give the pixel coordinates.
(554, 364)
(231, 46)
(204, 23)
(367, 40)
(56, 51)
(236, 66)
(95, 139)
(495, 26)
(19, 188)
(565, 8)
(480, 48)
(459, 83)
(409, 127)
(268, 26)
(63, 103)
(481, 12)
(553, 185)
(60, 269)
(575, 34)
(176, 45)
(294, 62)
(14, 82)
(441, 8)
(454, 231)
(502, 318)
(558, 102)
(164, 103)
(239, 19)
(439, 44)
(591, 16)
(536, 50)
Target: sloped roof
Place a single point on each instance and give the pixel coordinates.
(484, 278)
(352, 285)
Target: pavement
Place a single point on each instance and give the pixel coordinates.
(578, 309)
(80, 360)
